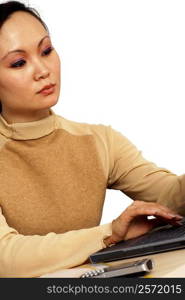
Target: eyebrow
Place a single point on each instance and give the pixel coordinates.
(20, 50)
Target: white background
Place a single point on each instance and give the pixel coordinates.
(123, 64)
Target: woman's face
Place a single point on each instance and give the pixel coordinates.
(24, 73)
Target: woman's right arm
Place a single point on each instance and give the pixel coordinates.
(134, 221)
(35, 255)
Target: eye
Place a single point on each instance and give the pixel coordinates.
(19, 63)
(47, 51)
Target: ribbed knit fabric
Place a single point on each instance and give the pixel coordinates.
(53, 178)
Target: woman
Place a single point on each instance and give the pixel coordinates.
(54, 172)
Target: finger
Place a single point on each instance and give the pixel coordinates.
(142, 204)
(172, 221)
(149, 210)
(160, 221)
(139, 203)
(170, 212)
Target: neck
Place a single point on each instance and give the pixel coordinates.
(25, 117)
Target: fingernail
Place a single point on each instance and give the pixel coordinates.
(179, 223)
(179, 216)
(176, 216)
(172, 215)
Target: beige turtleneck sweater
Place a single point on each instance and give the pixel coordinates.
(53, 178)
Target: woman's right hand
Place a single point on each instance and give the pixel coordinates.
(133, 222)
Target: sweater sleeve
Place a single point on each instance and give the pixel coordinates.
(33, 256)
(141, 179)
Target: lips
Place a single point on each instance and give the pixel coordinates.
(46, 87)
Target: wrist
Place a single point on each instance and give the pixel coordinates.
(109, 241)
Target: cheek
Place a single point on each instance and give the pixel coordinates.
(56, 65)
(13, 86)
(13, 80)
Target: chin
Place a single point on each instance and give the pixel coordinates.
(51, 102)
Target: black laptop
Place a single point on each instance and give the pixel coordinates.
(161, 239)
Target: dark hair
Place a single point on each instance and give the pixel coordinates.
(9, 7)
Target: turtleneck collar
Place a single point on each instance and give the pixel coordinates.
(28, 130)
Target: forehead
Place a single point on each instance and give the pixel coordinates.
(20, 30)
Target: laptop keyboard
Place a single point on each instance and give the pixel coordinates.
(157, 240)
(165, 232)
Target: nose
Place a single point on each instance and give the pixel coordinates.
(41, 71)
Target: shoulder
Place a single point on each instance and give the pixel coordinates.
(3, 141)
(79, 128)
